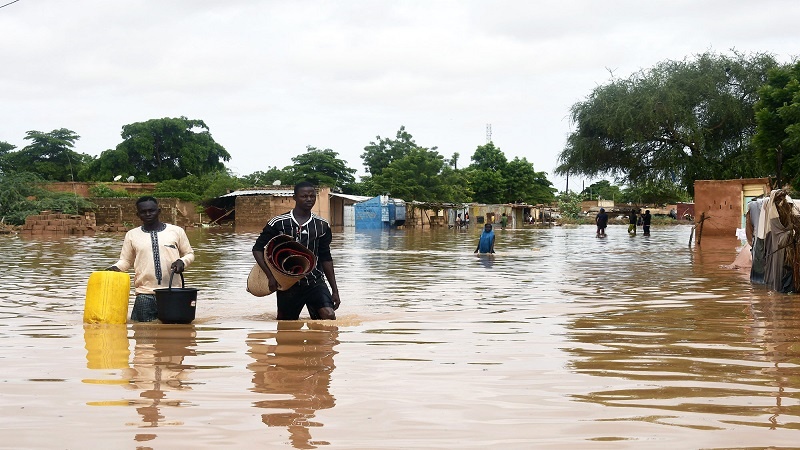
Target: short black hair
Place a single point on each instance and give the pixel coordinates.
(146, 198)
(301, 185)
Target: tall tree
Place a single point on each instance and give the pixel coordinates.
(49, 155)
(5, 149)
(320, 167)
(169, 148)
(205, 187)
(486, 174)
(421, 175)
(679, 121)
(378, 155)
(777, 137)
(601, 190)
(261, 178)
(110, 165)
(526, 185)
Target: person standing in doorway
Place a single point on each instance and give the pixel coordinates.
(632, 222)
(314, 233)
(150, 249)
(646, 218)
(503, 221)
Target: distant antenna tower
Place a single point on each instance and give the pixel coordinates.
(488, 133)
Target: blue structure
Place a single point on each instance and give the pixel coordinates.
(379, 212)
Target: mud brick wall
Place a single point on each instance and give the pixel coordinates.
(57, 223)
(253, 211)
(721, 201)
(120, 213)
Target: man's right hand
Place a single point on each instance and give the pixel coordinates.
(273, 284)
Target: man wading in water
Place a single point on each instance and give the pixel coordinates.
(313, 232)
(150, 250)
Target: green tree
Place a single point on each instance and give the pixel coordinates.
(777, 137)
(21, 196)
(602, 190)
(486, 174)
(364, 186)
(678, 121)
(419, 176)
(320, 167)
(526, 185)
(658, 192)
(5, 149)
(108, 166)
(168, 148)
(207, 186)
(49, 155)
(261, 178)
(569, 204)
(378, 155)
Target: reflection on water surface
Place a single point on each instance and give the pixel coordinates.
(560, 340)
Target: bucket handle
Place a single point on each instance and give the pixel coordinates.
(183, 282)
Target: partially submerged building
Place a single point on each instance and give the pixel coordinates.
(250, 208)
(379, 212)
(722, 204)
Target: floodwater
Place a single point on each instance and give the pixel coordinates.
(560, 341)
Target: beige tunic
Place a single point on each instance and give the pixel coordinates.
(137, 252)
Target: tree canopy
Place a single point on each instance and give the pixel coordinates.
(5, 149)
(262, 178)
(49, 155)
(420, 175)
(494, 179)
(777, 138)
(162, 149)
(678, 121)
(21, 195)
(378, 155)
(320, 167)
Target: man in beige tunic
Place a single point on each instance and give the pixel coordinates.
(153, 250)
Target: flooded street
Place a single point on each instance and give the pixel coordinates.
(560, 341)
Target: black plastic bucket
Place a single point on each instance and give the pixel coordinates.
(176, 305)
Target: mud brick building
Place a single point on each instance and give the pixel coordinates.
(723, 203)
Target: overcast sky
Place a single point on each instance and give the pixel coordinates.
(272, 77)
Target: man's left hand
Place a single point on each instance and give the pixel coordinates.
(336, 301)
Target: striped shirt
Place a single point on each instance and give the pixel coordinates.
(314, 234)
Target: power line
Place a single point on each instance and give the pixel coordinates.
(15, 1)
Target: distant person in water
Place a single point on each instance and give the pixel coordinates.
(486, 242)
(602, 222)
(632, 224)
(646, 218)
(503, 221)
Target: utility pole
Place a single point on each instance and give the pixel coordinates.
(488, 133)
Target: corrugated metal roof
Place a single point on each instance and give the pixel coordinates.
(355, 198)
(275, 192)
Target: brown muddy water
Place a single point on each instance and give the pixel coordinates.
(560, 341)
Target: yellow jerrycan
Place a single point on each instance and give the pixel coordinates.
(107, 295)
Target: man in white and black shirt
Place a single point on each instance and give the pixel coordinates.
(313, 232)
